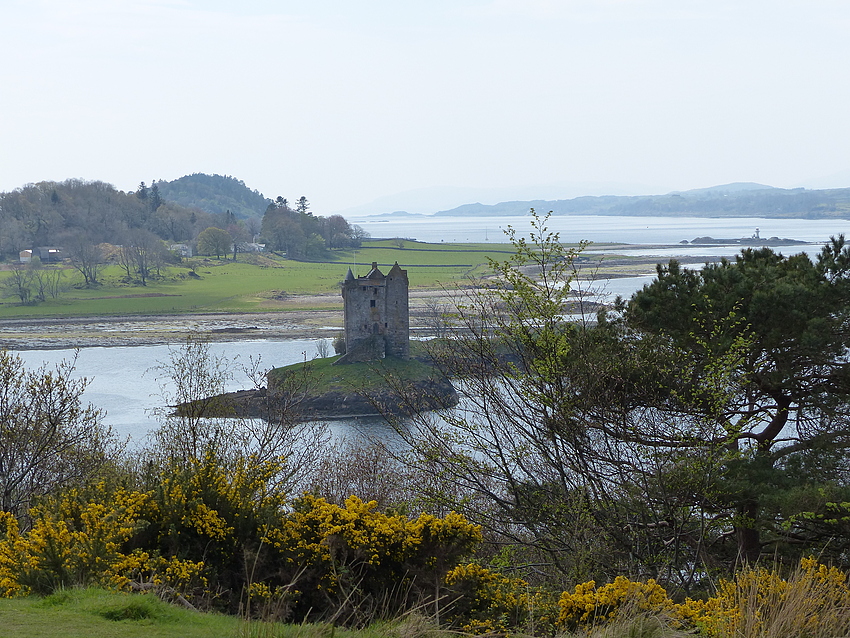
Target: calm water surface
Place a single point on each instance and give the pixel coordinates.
(629, 230)
(125, 383)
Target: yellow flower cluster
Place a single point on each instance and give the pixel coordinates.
(589, 605)
(9, 556)
(814, 600)
(481, 601)
(327, 537)
(193, 531)
(79, 541)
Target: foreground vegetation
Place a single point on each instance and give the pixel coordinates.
(101, 613)
(208, 538)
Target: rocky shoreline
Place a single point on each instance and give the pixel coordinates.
(426, 395)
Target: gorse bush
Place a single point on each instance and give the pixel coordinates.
(75, 540)
(481, 601)
(813, 602)
(218, 536)
(361, 562)
(589, 605)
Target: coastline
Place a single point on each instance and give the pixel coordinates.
(149, 330)
(319, 317)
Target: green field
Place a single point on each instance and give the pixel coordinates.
(255, 283)
(96, 613)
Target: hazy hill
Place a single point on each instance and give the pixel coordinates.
(729, 200)
(215, 194)
(433, 198)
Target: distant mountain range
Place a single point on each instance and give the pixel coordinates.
(430, 199)
(741, 199)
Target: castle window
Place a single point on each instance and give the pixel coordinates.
(372, 303)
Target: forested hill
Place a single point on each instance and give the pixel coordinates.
(730, 200)
(215, 194)
(77, 214)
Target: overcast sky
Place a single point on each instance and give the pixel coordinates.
(345, 101)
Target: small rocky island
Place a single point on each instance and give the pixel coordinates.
(375, 376)
(756, 240)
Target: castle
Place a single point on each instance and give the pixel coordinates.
(377, 315)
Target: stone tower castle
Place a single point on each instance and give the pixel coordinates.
(377, 315)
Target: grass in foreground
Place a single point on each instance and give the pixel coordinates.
(97, 613)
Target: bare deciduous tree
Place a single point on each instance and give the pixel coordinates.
(48, 438)
(198, 417)
(19, 283)
(87, 258)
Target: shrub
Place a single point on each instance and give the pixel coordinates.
(221, 536)
(814, 601)
(363, 563)
(479, 600)
(588, 605)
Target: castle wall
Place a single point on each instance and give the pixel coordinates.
(376, 311)
(397, 313)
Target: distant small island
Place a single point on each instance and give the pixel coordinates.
(744, 241)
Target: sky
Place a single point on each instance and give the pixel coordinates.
(350, 101)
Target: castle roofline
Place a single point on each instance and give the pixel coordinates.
(396, 271)
(375, 273)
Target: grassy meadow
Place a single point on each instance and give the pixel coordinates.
(254, 283)
(99, 613)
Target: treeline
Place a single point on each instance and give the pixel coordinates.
(302, 235)
(63, 213)
(78, 214)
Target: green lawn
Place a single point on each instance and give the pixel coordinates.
(255, 283)
(96, 613)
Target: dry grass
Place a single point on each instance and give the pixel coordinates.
(808, 607)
